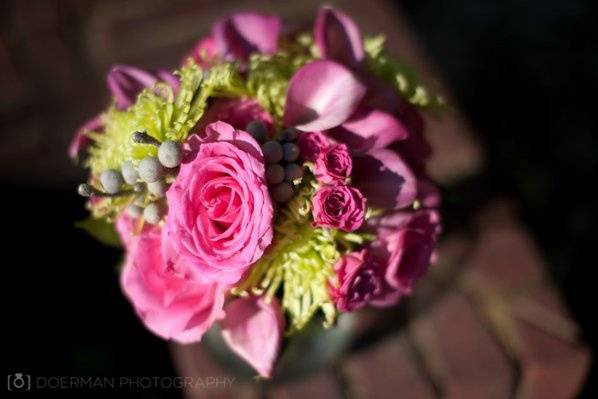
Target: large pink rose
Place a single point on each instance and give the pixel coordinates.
(220, 212)
(171, 303)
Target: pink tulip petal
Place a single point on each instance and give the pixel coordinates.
(369, 129)
(125, 82)
(384, 179)
(321, 95)
(244, 33)
(81, 140)
(168, 77)
(337, 37)
(253, 329)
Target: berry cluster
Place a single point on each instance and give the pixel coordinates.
(147, 182)
(283, 170)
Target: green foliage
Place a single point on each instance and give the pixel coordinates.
(398, 74)
(301, 260)
(101, 230)
(161, 114)
(268, 75)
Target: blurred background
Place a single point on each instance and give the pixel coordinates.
(520, 142)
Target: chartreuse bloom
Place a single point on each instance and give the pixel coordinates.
(268, 75)
(301, 261)
(161, 114)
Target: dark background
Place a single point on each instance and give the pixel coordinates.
(524, 72)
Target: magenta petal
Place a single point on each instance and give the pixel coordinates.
(168, 77)
(369, 129)
(337, 37)
(244, 33)
(253, 329)
(321, 95)
(384, 179)
(125, 82)
(81, 140)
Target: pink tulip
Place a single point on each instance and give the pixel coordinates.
(81, 140)
(253, 329)
(126, 82)
(242, 34)
(337, 37)
(369, 129)
(385, 179)
(321, 95)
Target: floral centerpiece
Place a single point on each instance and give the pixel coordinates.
(270, 178)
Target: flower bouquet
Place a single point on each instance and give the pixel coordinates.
(271, 178)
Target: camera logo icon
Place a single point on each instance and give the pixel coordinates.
(19, 382)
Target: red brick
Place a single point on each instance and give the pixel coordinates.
(193, 361)
(551, 368)
(319, 385)
(387, 370)
(504, 254)
(452, 252)
(463, 358)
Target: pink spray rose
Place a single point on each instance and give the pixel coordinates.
(358, 282)
(311, 144)
(203, 53)
(405, 242)
(170, 303)
(338, 206)
(333, 164)
(220, 212)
